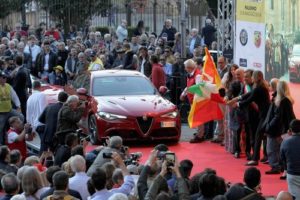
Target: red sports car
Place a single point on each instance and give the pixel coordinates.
(125, 103)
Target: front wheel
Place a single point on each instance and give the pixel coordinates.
(93, 130)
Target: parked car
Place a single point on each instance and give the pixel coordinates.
(125, 103)
(294, 64)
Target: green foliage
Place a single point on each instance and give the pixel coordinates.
(130, 31)
(9, 6)
(75, 11)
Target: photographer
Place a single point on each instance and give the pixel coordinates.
(115, 144)
(17, 134)
(159, 186)
(68, 117)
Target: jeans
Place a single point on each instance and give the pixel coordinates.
(4, 125)
(273, 150)
(294, 185)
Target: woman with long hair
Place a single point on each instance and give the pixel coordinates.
(277, 122)
(260, 96)
(229, 76)
(32, 184)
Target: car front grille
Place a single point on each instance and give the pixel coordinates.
(144, 123)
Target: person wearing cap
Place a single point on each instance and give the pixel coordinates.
(208, 32)
(96, 64)
(7, 96)
(289, 152)
(119, 58)
(58, 76)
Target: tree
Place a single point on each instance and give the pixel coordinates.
(77, 12)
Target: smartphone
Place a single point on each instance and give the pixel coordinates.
(170, 158)
(107, 155)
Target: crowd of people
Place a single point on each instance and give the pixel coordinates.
(64, 170)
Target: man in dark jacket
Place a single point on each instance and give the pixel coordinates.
(128, 59)
(208, 33)
(144, 62)
(168, 31)
(20, 83)
(68, 117)
(49, 118)
(46, 61)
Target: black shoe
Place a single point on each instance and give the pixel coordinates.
(252, 163)
(264, 159)
(282, 177)
(197, 140)
(248, 156)
(273, 171)
(237, 155)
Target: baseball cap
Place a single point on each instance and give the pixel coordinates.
(93, 54)
(58, 67)
(3, 74)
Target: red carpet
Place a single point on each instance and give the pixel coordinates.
(206, 155)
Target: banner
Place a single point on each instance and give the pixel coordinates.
(250, 34)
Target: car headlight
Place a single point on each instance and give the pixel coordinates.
(172, 114)
(110, 116)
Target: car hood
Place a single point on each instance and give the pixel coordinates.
(295, 59)
(51, 92)
(150, 105)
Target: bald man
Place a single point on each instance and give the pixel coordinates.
(284, 196)
(222, 66)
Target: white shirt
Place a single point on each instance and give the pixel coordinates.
(79, 183)
(36, 104)
(11, 137)
(46, 66)
(142, 66)
(35, 50)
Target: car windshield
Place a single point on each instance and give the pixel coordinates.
(296, 50)
(122, 85)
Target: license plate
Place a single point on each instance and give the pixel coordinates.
(168, 124)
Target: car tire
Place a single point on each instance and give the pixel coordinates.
(93, 130)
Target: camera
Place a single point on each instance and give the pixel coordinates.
(133, 159)
(170, 158)
(124, 149)
(28, 130)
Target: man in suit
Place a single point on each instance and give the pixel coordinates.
(21, 83)
(194, 42)
(46, 61)
(49, 117)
